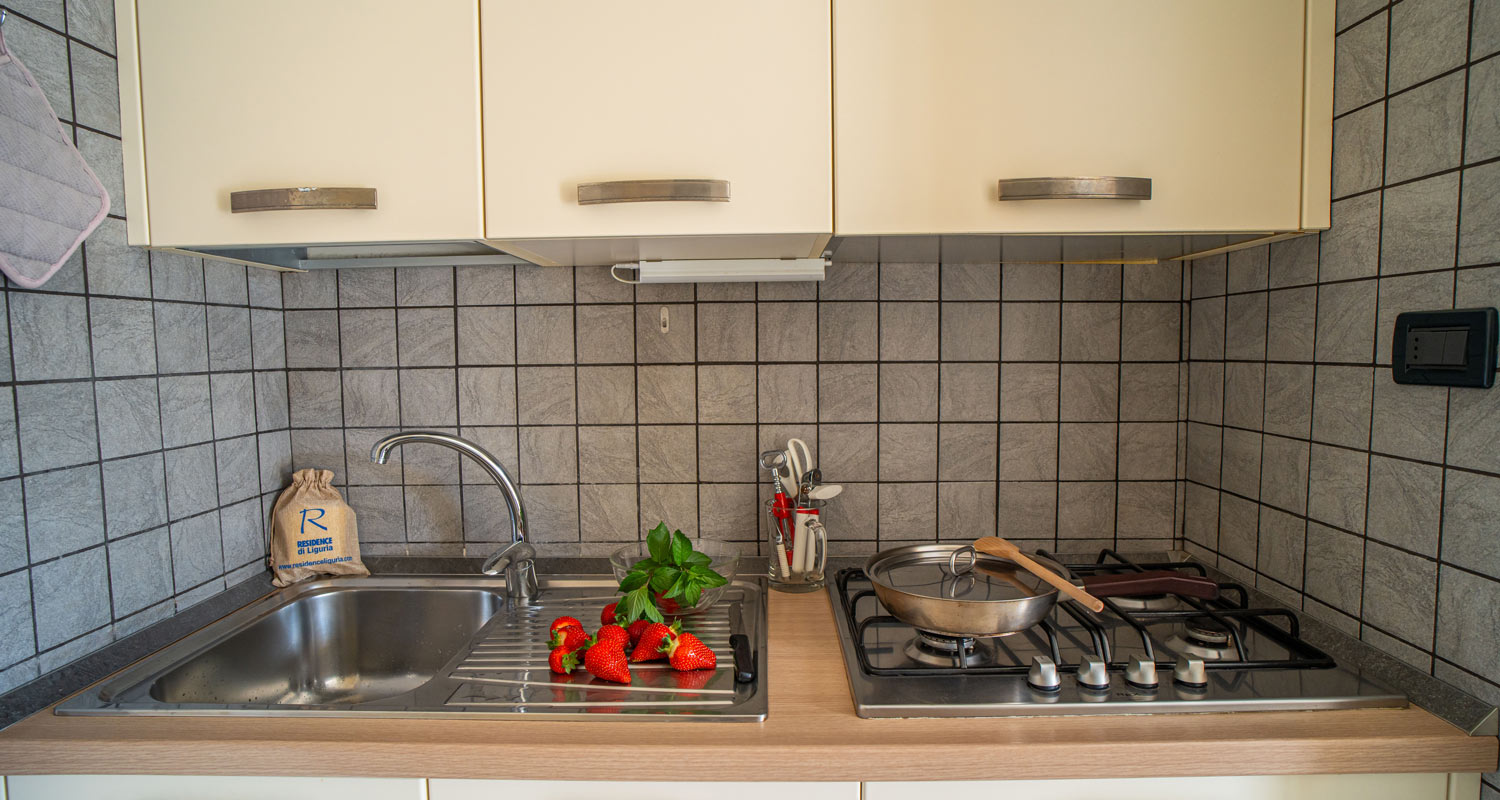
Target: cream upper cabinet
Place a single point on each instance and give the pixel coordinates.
(653, 99)
(233, 96)
(1225, 106)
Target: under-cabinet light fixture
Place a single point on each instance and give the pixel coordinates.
(726, 270)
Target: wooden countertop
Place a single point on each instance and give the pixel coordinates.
(812, 734)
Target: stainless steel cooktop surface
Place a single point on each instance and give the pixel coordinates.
(1142, 655)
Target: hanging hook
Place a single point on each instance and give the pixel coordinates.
(2, 16)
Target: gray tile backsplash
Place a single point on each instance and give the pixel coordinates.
(137, 450)
(938, 393)
(1376, 506)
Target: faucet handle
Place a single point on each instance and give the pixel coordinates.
(516, 553)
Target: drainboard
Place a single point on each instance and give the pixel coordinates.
(507, 667)
(428, 647)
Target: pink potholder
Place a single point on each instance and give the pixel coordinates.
(50, 201)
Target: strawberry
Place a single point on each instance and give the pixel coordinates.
(667, 606)
(607, 662)
(612, 633)
(635, 629)
(569, 637)
(562, 660)
(650, 648)
(564, 622)
(687, 652)
(607, 616)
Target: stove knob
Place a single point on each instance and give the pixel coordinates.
(1093, 673)
(1190, 672)
(1043, 674)
(1141, 673)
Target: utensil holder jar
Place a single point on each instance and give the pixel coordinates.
(798, 546)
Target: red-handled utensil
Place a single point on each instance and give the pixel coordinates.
(781, 506)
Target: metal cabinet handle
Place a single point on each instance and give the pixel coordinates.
(1090, 188)
(678, 189)
(301, 198)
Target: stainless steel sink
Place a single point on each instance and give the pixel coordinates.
(423, 646)
(339, 646)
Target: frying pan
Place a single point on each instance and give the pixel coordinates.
(952, 590)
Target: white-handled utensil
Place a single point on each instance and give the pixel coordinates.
(798, 458)
(825, 491)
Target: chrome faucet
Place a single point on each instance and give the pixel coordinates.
(517, 559)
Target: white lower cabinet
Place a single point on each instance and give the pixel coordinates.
(208, 787)
(1433, 786)
(439, 789)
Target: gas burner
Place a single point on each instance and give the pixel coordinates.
(1188, 647)
(939, 650)
(1152, 602)
(1202, 633)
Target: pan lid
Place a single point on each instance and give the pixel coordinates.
(956, 572)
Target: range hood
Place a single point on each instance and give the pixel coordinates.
(346, 256)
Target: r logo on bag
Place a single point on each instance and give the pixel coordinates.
(314, 520)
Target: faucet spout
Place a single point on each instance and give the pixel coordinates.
(516, 558)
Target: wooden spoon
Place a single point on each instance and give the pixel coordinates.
(996, 546)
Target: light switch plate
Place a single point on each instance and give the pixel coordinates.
(1445, 348)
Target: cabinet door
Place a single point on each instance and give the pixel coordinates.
(442, 789)
(1263, 787)
(937, 101)
(599, 91)
(372, 94)
(204, 787)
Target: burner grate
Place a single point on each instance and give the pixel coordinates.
(1230, 614)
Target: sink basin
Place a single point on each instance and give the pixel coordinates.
(342, 645)
(426, 646)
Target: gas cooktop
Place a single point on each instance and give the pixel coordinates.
(1141, 655)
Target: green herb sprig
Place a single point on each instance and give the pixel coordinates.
(673, 570)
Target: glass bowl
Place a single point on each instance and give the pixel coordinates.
(722, 559)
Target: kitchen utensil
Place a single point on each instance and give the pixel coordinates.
(1152, 582)
(955, 590)
(774, 460)
(825, 491)
(799, 458)
(804, 558)
(996, 546)
(935, 588)
(739, 646)
(810, 481)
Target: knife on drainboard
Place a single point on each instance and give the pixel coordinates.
(739, 645)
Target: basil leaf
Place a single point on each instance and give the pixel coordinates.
(692, 595)
(681, 548)
(663, 578)
(633, 581)
(645, 565)
(713, 579)
(698, 559)
(636, 605)
(678, 586)
(659, 542)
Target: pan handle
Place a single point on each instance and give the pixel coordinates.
(1137, 584)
